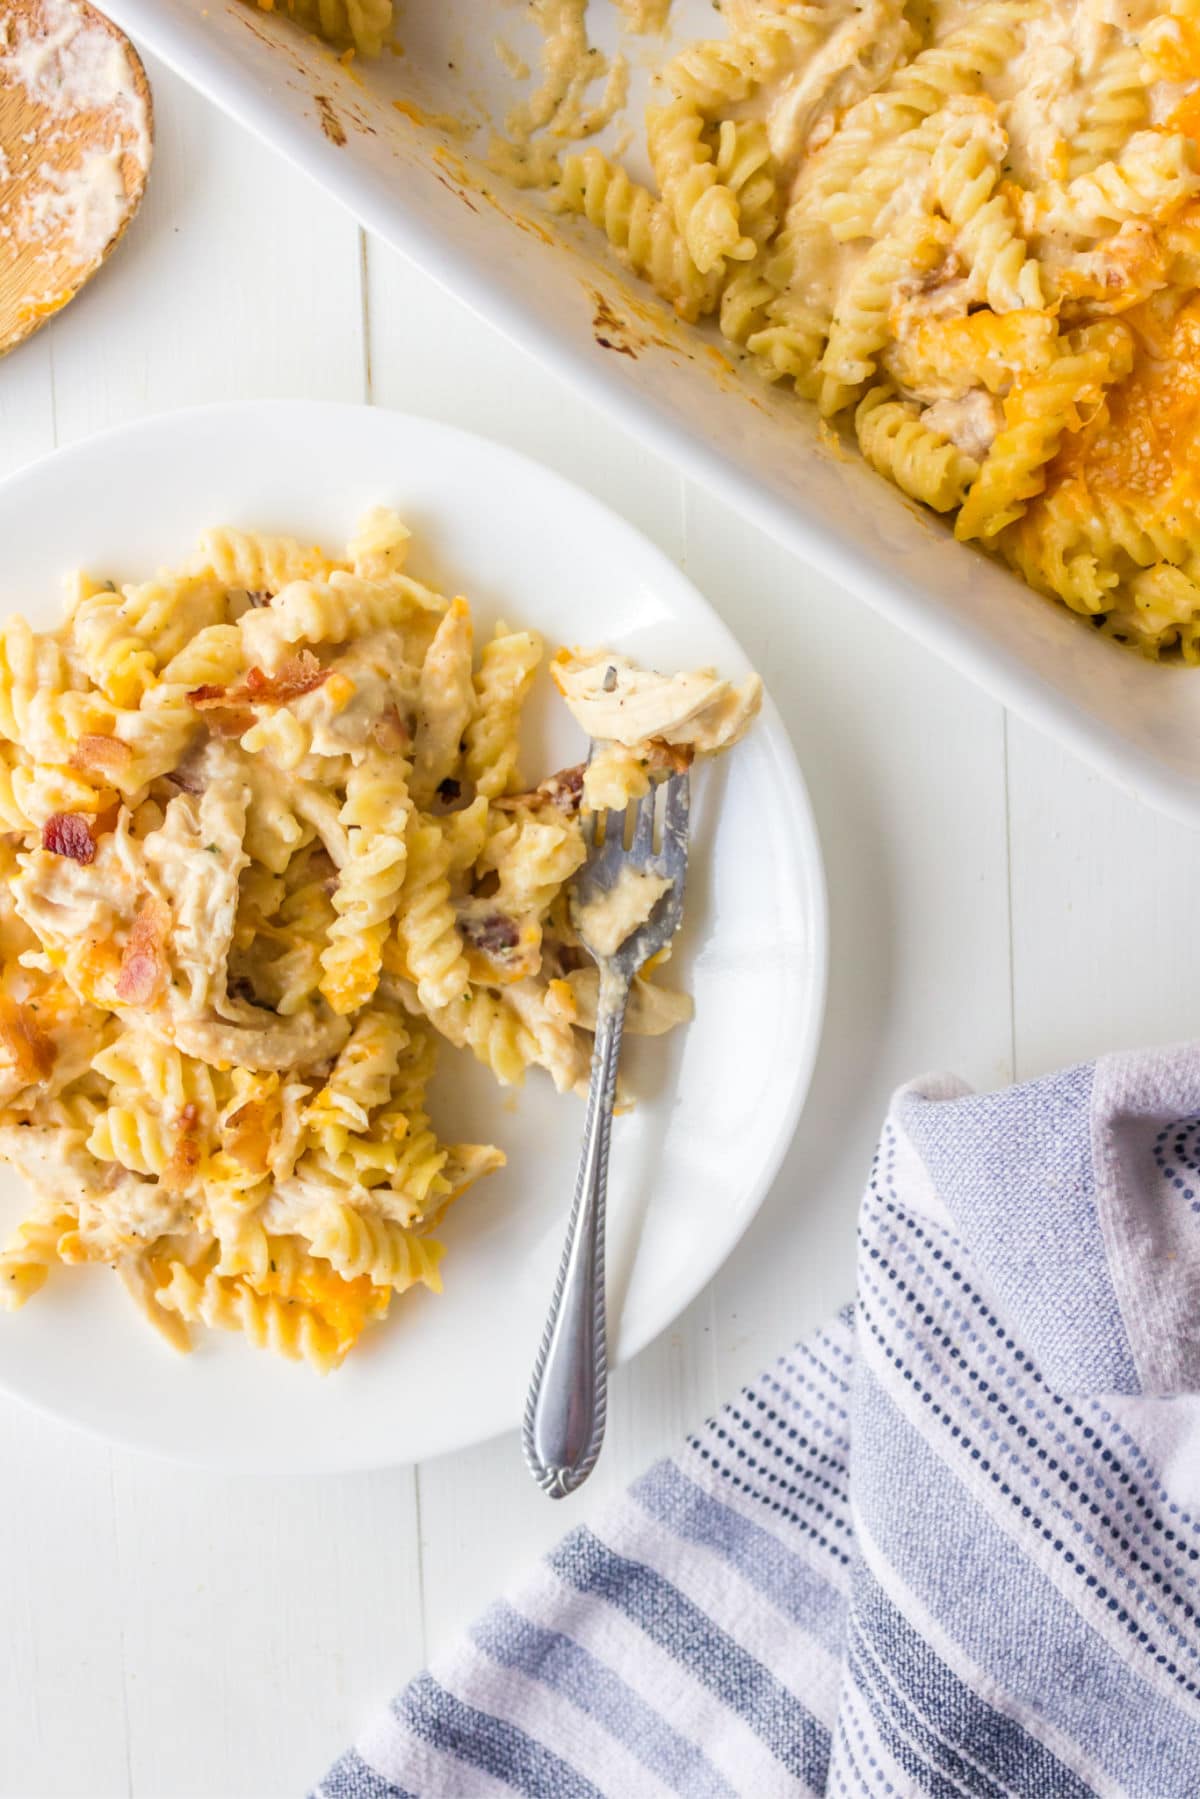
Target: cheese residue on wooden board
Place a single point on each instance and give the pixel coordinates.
(71, 182)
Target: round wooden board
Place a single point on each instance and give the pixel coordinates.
(42, 147)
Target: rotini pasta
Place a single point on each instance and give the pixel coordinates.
(375, 815)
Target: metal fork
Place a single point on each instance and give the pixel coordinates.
(568, 1395)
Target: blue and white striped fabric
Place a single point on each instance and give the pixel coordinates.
(949, 1546)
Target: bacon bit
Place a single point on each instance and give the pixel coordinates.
(185, 1155)
(669, 758)
(495, 934)
(31, 1050)
(300, 674)
(95, 751)
(69, 834)
(498, 949)
(391, 733)
(144, 958)
(322, 867)
(563, 790)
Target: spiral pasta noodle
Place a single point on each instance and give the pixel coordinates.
(924, 465)
(375, 815)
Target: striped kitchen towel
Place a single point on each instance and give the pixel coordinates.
(949, 1546)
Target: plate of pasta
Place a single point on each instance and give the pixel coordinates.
(293, 1016)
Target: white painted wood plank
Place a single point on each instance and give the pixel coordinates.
(484, 1523)
(238, 280)
(26, 404)
(262, 1621)
(63, 1676)
(177, 1633)
(430, 354)
(1104, 913)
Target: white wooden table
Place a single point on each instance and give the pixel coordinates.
(996, 910)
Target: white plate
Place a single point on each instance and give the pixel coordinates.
(719, 1102)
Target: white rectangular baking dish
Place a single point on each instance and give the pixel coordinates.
(553, 286)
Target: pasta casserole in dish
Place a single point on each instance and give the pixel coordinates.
(968, 230)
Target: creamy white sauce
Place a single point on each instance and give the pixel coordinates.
(850, 63)
(652, 1010)
(607, 921)
(823, 266)
(378, 670)
(1041, 97)
(198, 857)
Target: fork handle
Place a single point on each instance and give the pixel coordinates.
(568, 1396)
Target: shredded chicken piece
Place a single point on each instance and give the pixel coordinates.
(198, 857)
(618, 702)
(72, 905)
(51, 1158)
(259, 1040)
